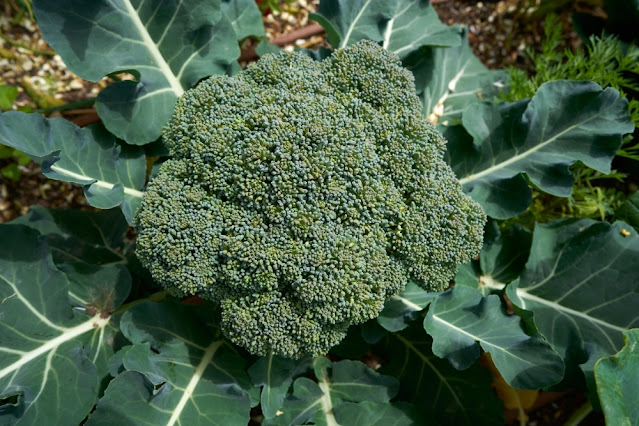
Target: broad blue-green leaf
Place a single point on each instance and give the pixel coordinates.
(403, 308)
(245, 18)
(402, 26)
(448, 80)
(501, 261)
(275, 375)
(306, 400)
(167, 45)
(618, 384)
(445, 395)
(378, 414)
(80, 236)
(565, 122)
(177, 371)
(349, 21)
(349, 381)
(581, 284)
(459, 318)
(111, 174)
(47, 374)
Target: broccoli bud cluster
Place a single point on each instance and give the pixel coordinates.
(301, 195)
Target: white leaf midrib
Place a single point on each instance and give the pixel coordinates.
(67, 335)
(344, 42)
(195, 379)
(171, 78)
(99, 183)
(515, 158)
(523, 294)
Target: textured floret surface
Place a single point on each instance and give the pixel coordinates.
(301, 195)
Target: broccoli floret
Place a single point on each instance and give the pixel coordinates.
(301, 195)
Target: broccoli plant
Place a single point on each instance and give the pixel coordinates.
(320, 238)
(301, 195)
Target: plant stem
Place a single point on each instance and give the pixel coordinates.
(72, 105)
(155, 297)
(36, 51)
(579, 415)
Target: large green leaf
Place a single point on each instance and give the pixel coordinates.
(111, 174)
(402, 26)
(178, 370)
(245, 17)
(80, 236)
(167, 45)
(378, 414)
(501, 261)
(459, 318)
(581, 284)
(275, 375)
(629, 211)
(445, 395)
(346, 380)
(47, 349)
(565, 122)
(448, 80)
(618, 383)
(403, 308)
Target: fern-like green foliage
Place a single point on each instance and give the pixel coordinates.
(608, 62)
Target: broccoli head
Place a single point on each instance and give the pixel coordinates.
(301, 195)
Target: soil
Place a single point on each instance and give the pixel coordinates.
(499, 33)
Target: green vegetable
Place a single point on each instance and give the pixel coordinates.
(301, 195)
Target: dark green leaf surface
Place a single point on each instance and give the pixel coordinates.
(299, 406)
(448, 80)
(167, 45)
(617, 383)
(401, 26)
(501, 261)
(565, 122)
(629, 211)
(46, 347)
(111, 174)
(403, 308)
(177, 371)
(275, 375)
(245, 18)
(459, 318)
(581, 284)
(346, 380)
(378, 414)
(80, 236)
(445, 395)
